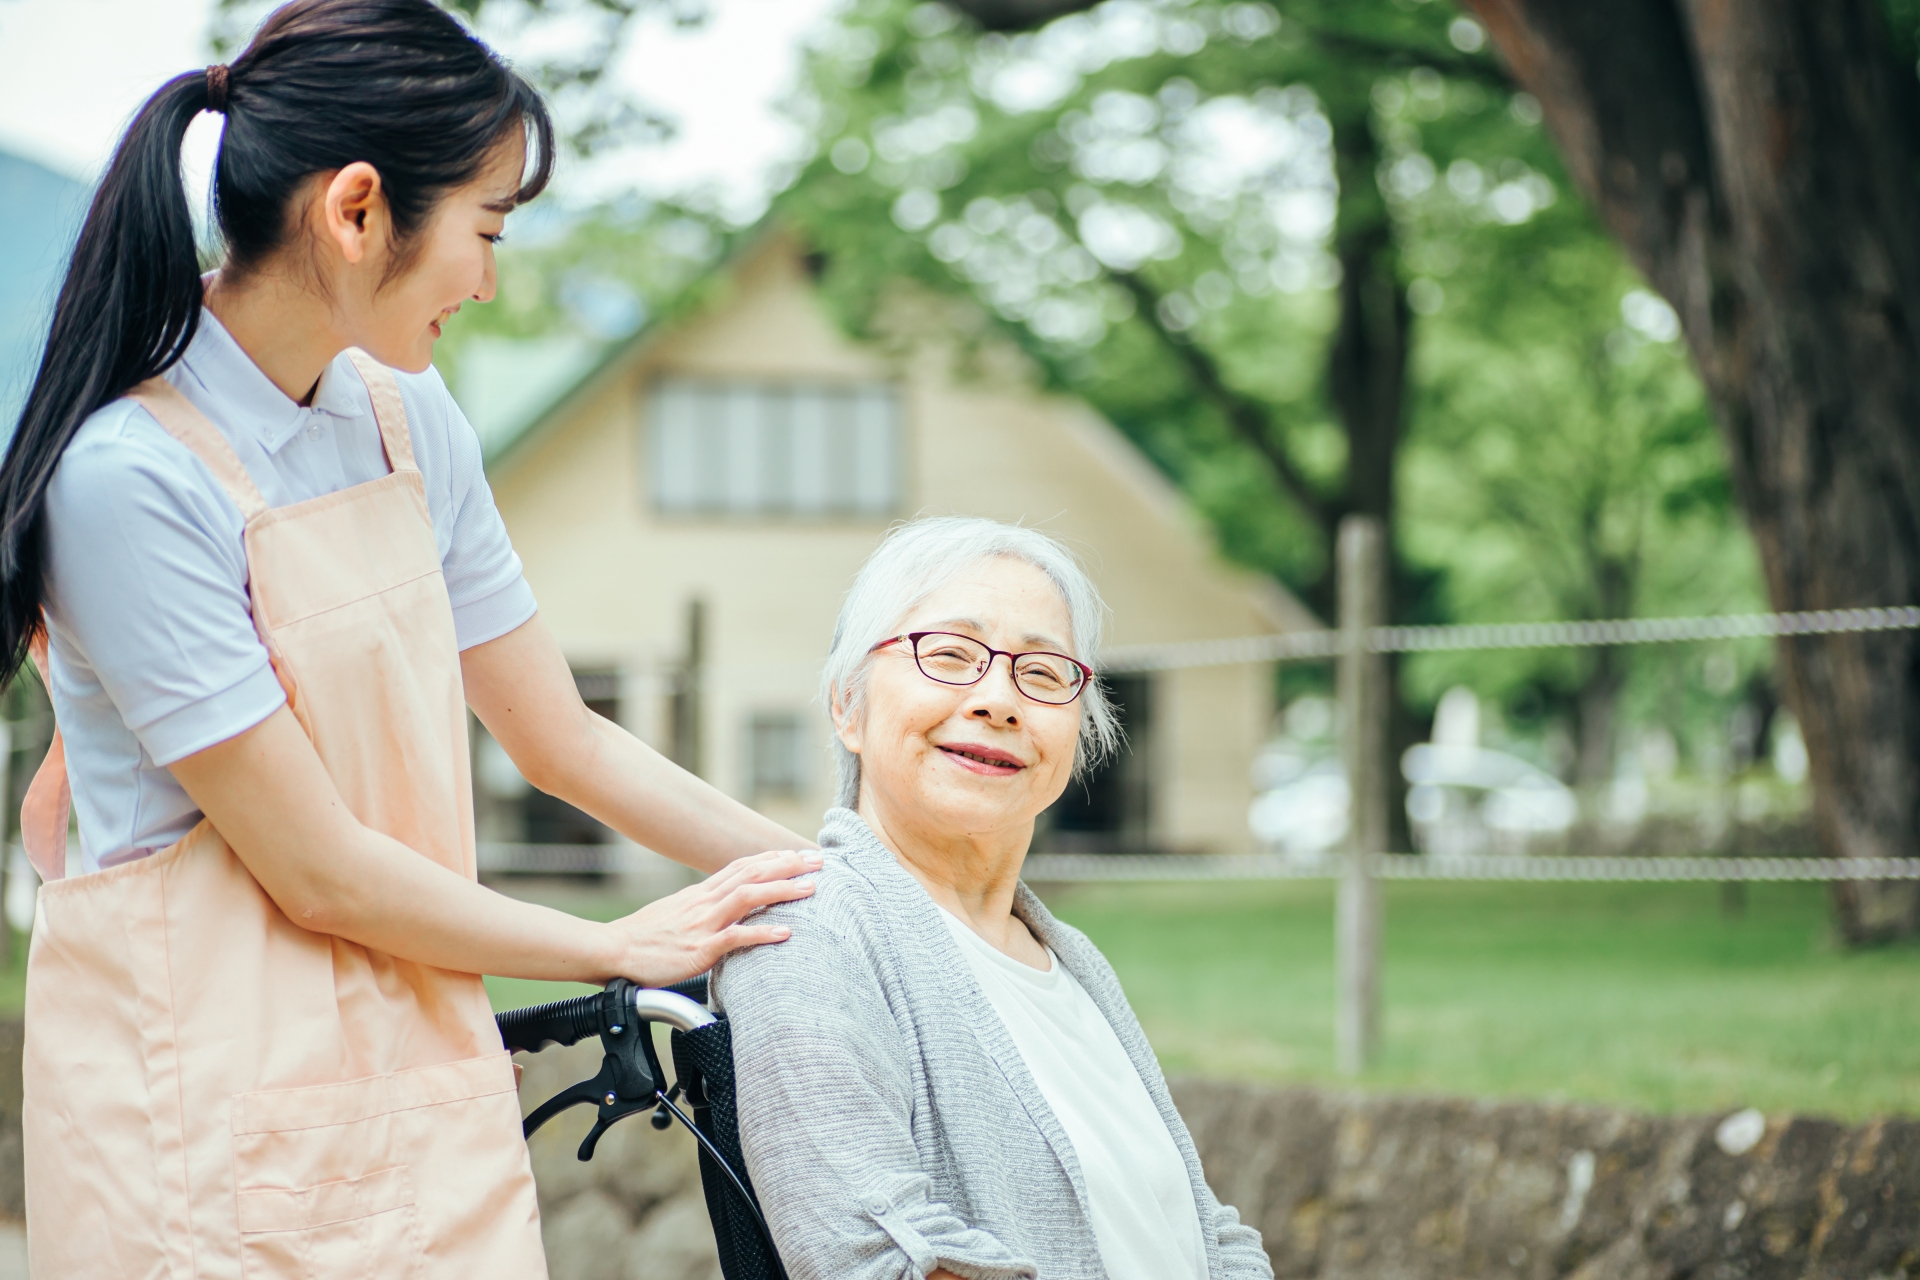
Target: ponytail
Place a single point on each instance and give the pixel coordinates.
(396, 83)
(128, 308)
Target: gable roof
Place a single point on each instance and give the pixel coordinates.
(511, 441)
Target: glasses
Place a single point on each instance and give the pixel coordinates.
(1052, 678)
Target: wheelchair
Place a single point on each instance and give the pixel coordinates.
(630, 1080)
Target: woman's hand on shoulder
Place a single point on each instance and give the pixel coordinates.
(686, 933)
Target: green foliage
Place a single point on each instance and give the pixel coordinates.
(1190, 145)
(1564, 463)
(596, 277)
(1559, 458)
(1903, 28)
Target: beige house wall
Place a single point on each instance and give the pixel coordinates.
(615, 579)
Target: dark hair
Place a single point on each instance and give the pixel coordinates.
(399, 84)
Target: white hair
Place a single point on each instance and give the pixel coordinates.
(917, 559)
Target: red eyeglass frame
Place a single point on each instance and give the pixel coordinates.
(914, 638)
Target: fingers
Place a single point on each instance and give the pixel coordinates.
(749, 898)
(781, 864)
(687, 932)
(742, 936)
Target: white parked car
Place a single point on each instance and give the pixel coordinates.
(1301, 809)
(1461, 800)
(1464, 800)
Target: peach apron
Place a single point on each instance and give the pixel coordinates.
(213, 1091)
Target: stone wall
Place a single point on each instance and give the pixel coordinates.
(1347, 1186)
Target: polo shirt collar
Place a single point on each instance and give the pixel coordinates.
(250, 400)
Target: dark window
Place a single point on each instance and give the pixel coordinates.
(1111, 809)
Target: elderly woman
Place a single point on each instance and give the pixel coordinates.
(936, 1077)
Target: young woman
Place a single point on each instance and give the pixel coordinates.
(264, 579)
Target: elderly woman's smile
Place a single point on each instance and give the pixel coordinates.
(990, 761)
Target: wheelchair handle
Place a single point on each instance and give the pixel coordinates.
(566, 1022)
(660, 1005)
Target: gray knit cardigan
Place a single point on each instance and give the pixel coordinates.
(889, 1123)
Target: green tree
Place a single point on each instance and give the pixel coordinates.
(1564, 465)
(1218, 228)
(1759, 162)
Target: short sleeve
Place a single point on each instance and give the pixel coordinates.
(147, 581)
(489, 593)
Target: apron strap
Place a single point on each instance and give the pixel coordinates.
(190, 427)
(45, 810)
(48, 804)
(388, 409)
(43, 814)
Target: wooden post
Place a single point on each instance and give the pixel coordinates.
(1362, 564)
(689, 709)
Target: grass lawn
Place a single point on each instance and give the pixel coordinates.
(1643, 995)
(1636, 994)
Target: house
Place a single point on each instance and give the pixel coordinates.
(691, 511)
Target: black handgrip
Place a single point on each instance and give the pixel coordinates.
(564, 1022)
(532, 1029)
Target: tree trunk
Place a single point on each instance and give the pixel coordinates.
(1599, 696)
(1596, 709)
(1757, 160)
(1367, 382)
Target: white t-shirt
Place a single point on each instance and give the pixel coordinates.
(154, 655)
(1144, 1218)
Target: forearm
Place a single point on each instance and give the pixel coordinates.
(378, 892)
(267, 793)
(654, 802)
(373, 890)
(520, 687)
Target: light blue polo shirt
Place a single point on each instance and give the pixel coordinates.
(154, 654)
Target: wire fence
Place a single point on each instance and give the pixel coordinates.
(1070, 868)
(1322, 645)
(1299, 646)
(1119, 868)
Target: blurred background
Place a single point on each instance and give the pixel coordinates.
(1185, 282)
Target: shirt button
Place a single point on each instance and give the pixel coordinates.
(877, 1205)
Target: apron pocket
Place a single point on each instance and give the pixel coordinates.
(344, 1230)
(421, 1173)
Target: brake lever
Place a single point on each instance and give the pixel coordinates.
(617, 1098)
(630, 1079)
